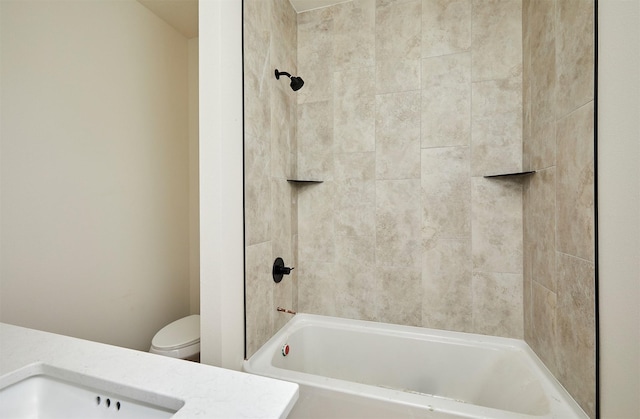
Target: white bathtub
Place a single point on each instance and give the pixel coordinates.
(350, 368)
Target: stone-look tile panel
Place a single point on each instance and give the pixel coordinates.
(446, 101)
(575, 184)
(282, 245)
(576, 329)
(541, 206)
(256, 16)
(544, 325)
(355, 166)
(543, 83)
(315, 140)
(355, 194)
(270, 124)
(539, 265)
(496, 123)
(257, 82)
(398, 213)
(575, 54)
(559, 143)
(496, 39)
(398, 30)
(281, 235)
(446, 188)
(397, 45)
(358, 218)
(282, 297)
(316, 223)
(259, 295)
(528, 149)
(526, 88)
(400, 295)
(527, 246)
(542, 145)
(497, 304)
(446, 282)
(257, 190)
(355, 287)
(397, 75)
(354, 34)
(316, 288)
(283, 113)
(354, 115)
(496, 225)
(385, 195)
(446, 27)
(315, 60)
(398, 136)
(527, 311)
(284, 36)
(295, 260)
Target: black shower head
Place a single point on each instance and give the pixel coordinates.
(296, 82)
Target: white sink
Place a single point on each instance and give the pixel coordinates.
(40, 391)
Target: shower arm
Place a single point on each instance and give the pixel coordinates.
(280, 73)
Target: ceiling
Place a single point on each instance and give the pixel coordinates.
(182, 15)
(304, 5)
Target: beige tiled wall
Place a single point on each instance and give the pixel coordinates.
(406, 105)
(559, 296)
(270, 143)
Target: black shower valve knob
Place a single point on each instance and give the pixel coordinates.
(284, 270)
(279, 270)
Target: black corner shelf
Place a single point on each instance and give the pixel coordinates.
(510, 175)
(302, 182)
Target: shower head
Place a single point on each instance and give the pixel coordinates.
(296, 82)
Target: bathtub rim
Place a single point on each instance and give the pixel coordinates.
(561, 404)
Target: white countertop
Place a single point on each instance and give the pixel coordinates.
(207, 391)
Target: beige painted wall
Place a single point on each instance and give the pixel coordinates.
(95, 160)
(221, 203)
(194, 184)
(619, 206)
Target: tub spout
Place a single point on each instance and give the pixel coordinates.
(284, 310)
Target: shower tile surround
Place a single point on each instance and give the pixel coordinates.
(406, 105)
(270, 35)
(401, 127)
(559, 235)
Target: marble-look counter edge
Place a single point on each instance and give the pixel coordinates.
(207, 391)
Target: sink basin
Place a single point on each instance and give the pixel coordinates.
(43, 392)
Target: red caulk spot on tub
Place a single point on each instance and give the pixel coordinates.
(285, 350)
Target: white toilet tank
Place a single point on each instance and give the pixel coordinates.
(180, 339)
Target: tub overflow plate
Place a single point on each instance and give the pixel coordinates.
(285, 349)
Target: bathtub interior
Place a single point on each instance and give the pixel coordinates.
(441, 371)
(320, 403)
(497, 377)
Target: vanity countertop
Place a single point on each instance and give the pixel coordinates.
(207, 391)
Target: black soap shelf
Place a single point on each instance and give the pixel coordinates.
(510, 175)
(303, 182)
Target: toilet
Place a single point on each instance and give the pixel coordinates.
(180, 339)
